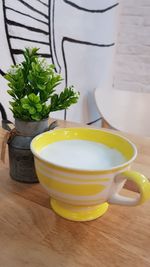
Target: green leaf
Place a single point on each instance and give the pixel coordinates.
(32, 110)
(26, 106)
(10, 92)
(38, 107)
(8, 77)
(64, 100)
(34, 98)
(24, 101)
(36, 117)
(41, 87)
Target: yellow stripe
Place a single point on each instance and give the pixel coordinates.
(43, 168)
(74, 201)
(73, 189)
(74, 181)
(78, 172)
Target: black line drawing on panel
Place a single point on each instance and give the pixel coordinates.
(42, 3)
(58, 66)
(6, 31)
(33, 23)
(34, 9)
(29, 40)
(27, 15)
(66, 39)
(71, 3)
(2, 72)
(42, 28)
(11, 22)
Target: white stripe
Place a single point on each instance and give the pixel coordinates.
(12, 15)
(25, 33)
(68, 197)
(48, 175)
(72, 175)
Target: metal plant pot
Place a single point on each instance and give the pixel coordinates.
(20, 156)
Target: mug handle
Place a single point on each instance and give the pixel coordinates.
(142, 183)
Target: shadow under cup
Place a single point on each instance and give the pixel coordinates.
(83, 195)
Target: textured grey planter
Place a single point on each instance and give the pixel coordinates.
(31, 128)
(20, 156)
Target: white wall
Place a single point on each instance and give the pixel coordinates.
(132, 62)
(77, 35)
(133, 49)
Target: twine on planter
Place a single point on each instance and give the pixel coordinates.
(7, 137)
(4, 143)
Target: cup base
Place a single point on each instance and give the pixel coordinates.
(78, 213)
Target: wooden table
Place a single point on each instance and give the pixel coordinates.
(32, 235)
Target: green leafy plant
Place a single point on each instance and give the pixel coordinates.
(32, 83)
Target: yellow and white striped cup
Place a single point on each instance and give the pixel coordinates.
(83, 195)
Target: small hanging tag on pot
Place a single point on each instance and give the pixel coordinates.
(6, 138)
(4, 143)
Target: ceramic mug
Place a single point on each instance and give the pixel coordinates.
(83, 195)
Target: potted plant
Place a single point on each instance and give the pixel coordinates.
(32, 85)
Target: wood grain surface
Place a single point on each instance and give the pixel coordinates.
(32, 235)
